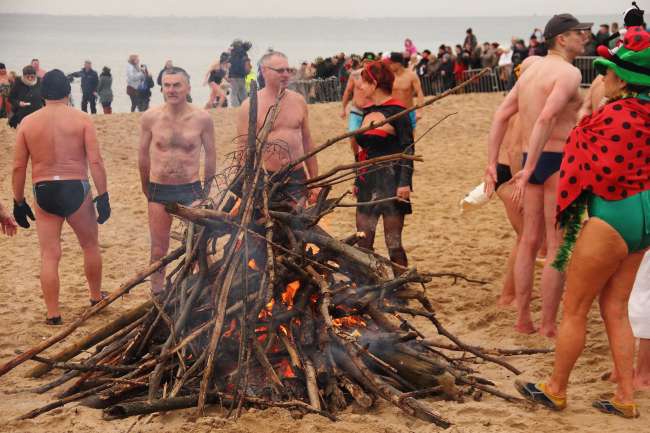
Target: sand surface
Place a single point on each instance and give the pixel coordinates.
(437, 239)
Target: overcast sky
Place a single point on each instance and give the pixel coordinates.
(322, 8)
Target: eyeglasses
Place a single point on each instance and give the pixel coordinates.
(282, 70)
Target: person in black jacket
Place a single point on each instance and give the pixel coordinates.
(89, 83)
(25, 96)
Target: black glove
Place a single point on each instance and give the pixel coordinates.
(103, 208)
(21, 212)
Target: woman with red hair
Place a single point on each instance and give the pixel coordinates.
(386, 187)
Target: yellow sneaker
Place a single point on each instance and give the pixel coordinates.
(612, 407)
(537, 393)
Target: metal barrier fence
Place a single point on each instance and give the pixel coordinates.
(499, 80)
(586, 66)
(318, 90)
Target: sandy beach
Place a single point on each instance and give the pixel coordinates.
(437, 239)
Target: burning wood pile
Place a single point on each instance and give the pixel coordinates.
(265, 308)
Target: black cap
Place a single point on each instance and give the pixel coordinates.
(369, 56)
(55, 85)
(397, 57)
(2, 66)
(563, 23)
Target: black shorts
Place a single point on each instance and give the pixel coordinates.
(294, 190)
(184, 194)
(61, 197)
(377, 184)
(503, 175)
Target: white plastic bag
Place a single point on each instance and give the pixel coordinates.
(474, 199)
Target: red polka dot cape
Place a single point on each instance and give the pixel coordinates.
(608, 154)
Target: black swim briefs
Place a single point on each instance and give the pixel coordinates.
(503, 175)
(61, 197)
(548, 164)
(184, 194)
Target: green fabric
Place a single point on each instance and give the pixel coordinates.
(641, 58)
(643, 96)
(571, 221)
(630, 217)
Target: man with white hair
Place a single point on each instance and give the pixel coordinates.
(291, 127)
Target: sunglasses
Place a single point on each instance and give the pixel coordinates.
(283, 70)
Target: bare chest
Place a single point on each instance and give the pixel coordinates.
(289, 117)
(180, 136)
(402, 84)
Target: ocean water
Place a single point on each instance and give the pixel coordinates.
(64, 42)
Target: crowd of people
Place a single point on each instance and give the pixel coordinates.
(543, 167)
(448, 64)
(21, 95)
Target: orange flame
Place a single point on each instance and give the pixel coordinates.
(285, 369)
(313, 247)
(349, 322)
(287, 296)
(231, 328)
(253, 265)
(266, 312)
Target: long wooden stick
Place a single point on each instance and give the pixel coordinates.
(360, 164)
(443, 331)
(93, 338)
(143, 407)
(124, 288)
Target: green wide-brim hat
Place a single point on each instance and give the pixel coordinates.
(631, 66)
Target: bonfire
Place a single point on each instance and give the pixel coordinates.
(264, 308)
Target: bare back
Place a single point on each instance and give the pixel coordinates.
(176, 143)
(404, 88)
(56, 139)
(534, 88)
(288, 129)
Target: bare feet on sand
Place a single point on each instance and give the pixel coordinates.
(548, 331)
(506, 301)
(525, 327)
(641, 383)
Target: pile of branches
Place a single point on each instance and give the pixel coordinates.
(262, 307)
